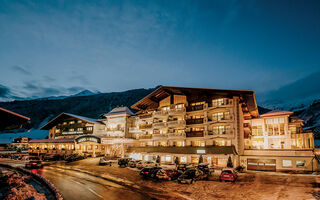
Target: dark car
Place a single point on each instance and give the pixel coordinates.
(189, 176)
(150, 172)
(184, 167)
(204, 167)
(51, 158)
(123, 162)
(168, 174)
(228, 174)
(34, 162)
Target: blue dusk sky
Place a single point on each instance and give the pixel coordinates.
(50, 48)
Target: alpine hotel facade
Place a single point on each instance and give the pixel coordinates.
(181, 123)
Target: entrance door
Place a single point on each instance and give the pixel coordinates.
(262, 164)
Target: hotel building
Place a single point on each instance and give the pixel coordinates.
(181, 124)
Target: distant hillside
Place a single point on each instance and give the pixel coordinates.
(90, 106)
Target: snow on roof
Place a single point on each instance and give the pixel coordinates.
(50, 123)
(276, 112)
(62, 140)
(119, 110)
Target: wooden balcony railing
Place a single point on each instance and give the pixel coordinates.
(195, 108)
(176, 123)
(194, 121)
(144, 116)
(195, 134)
(145, 126)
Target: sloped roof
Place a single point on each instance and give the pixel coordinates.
(152, 100)
(120, 110)
(61, 140)
(11, 120)
(59, 119)
(276, 112)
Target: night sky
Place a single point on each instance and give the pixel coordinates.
(50, 48)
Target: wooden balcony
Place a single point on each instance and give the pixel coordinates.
(177, 111)
(159, 124)
(176, 135)
(145, 116)
(159, 136)
(220, 120)
(160, 113)
(145, 126)
(195, 108)
(175, 123)
(220, 133)
(144, 137)
(195, 121)
(195, 134)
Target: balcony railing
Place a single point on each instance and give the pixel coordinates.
(195, 108)
(175, 135)
(159, 136)
(226, 132)
(223, 119)
(144, 136)
(195, 134)
(144, 116)
(195, 121)
(159, 124)
(175, 111)
(145, 126)
(160, 113)
(176, 123)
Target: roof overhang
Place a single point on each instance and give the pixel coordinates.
(11, 120)
(60, 118)
(152, 100)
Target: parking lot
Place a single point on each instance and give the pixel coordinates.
(253, 185)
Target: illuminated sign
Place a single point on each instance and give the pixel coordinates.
(88, 139)
(201, 151)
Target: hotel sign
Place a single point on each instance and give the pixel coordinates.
(88, 139)
(201, 151)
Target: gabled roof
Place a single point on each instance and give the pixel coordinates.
(276, 113)
(11, 120)
(62, 116)
(120, 110)
(152, 100)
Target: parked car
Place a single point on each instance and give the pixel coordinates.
(123, 162)
(143, 164)
(133, 163)
(74, 157)
(149, 172)
(185, 166)
(206, 168)
(51, 157)
(34, 162)
(168, 174)
(228, 174)
(189, 176)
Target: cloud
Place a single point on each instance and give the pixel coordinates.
(4, 91)
(21, 70)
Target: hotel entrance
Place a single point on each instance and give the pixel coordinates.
(89, 145)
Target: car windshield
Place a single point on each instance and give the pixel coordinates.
(227, 171)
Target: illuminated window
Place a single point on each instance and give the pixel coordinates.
(79, 129)
(79, 121)
(71, 122)
(300, 163)
(286, 163)
(57, 130)
(218, 102)
(183, 159)
(89, 128)
(71, 129)
(64, 123)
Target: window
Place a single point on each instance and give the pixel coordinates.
(71, 122)
(64, 123)
(286, 163)
(217, 102)
(57, 130)
(183, 159)
(168, 158)
(89, 128)
(79, 121)
(71, 129)
(79, 129)
(300, 163)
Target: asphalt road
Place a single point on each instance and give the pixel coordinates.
(74, 185)
(77, 186)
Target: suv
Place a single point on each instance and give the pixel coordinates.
(123, 162)
(133, 163)
(184, 167)
(189, 176)
(228, 174)
(205, 168)
(34, 162)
